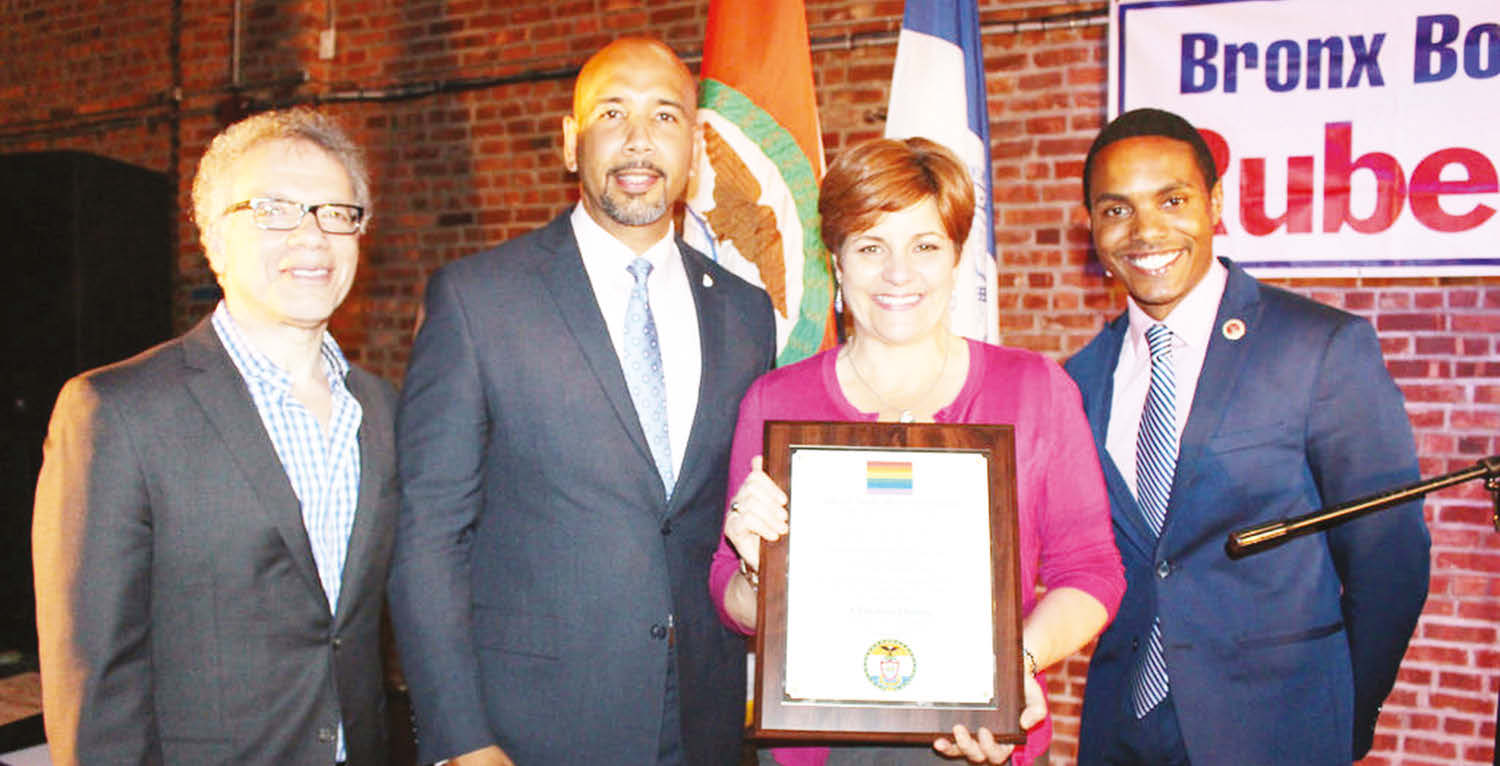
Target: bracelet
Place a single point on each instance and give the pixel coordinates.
(752, 577)
(1031, 667)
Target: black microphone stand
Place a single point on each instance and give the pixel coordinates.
(1261, 537)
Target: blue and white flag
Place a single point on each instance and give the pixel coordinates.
(937, 92)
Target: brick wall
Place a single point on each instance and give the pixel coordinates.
(458, 103)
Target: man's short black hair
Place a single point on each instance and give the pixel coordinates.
(1150, 122)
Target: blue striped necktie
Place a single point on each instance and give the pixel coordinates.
(643, 373)
(1155, 465)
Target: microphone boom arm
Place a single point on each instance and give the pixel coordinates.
(1260, 537)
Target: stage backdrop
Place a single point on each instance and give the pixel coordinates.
(1353, 139)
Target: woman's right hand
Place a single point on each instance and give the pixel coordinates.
(757, 512)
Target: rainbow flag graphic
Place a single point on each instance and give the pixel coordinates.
(888, 477)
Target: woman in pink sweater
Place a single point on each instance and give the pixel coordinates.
(895, 214)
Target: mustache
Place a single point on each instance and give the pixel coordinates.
(637, 165)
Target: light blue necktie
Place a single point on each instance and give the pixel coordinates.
(643, 373)
(1155, 465)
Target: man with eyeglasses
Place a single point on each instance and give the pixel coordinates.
(214, 516)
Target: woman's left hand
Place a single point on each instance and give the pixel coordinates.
(982, 747)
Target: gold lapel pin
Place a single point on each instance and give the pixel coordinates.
(1234, 329)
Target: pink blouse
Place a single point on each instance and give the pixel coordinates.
(1064, 525)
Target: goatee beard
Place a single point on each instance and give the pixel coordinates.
(634, 211)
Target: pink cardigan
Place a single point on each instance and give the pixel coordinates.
(1065, 534)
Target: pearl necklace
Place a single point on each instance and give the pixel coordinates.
(906, 416)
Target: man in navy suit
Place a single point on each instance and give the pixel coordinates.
(563, 439)
(1248, 404)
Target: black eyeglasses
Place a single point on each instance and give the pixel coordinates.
(284, 215)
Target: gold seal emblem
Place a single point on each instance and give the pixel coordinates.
(890, 664)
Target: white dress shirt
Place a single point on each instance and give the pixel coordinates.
(1192, 326)
(607, 260)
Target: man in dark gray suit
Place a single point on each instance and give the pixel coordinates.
(214, 516)
(564, 437)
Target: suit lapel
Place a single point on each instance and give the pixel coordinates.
(563, 275)
(711, 318)
(1221, 368)
(375, 429)
(1099, 382)
(221, 392)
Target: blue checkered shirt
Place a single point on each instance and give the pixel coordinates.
(323, 467)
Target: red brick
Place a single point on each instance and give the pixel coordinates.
(1436, 345)
(1463, 703)
(1394, 345)
(1475, 446)
(1459, 298)
(1408, 322)
(1458, 633)
(1459, 726)
(1430, 747)
(1423, 419)
(1414, 676)
(1480, 323)
(1389, 300)
(1400, 698)
(1435, 393)
(1437, 655)
(1479, 753)
(1438, 607)
(1460, 682)
(1467, 515)
(1455, 537)
(1474, 562)
(1422, 722)
(1400, 368)
(1431, 301)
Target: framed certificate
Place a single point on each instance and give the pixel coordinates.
(892, 610)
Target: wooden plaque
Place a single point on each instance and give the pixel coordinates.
(811, 702)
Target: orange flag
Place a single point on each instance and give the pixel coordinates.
(754, 202)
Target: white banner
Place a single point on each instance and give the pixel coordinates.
(1354, 138)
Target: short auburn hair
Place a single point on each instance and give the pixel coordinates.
(886, 175)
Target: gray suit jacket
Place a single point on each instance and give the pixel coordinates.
(537, 556)
(180, 616)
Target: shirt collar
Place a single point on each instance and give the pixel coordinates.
(257, 366)
(596, 243)
(1192, 320)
